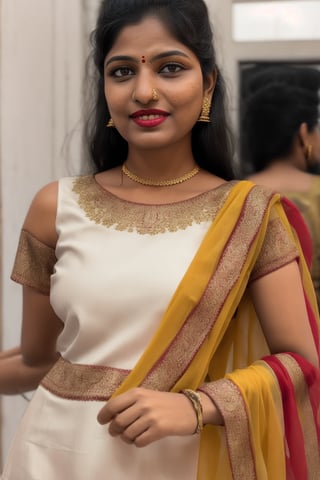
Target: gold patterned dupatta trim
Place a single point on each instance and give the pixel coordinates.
(179, 353)
(259, 427)
(234, 445)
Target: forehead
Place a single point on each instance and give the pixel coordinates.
(148, 37)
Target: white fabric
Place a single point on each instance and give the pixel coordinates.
(105, 290)
(111, 287)
(61, 439)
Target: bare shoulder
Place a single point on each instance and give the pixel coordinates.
(283, 180)
(41, 217)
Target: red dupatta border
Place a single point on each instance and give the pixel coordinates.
(297, 222)
(297, 434)
(313, 324)
(299, 225)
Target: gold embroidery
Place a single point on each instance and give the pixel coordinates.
(104, 208)
(228, 400)
(276, 251)
(34, 263)
(83, 382)
(305, 413)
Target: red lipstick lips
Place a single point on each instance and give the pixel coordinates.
(149, 118)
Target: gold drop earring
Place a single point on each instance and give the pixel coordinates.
(205, 112)
(110, 124)
(308, 152)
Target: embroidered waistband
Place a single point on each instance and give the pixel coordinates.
(83, 382)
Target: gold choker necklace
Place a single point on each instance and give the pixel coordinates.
(159, 183)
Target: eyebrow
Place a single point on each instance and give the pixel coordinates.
(127, 58)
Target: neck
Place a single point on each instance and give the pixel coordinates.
(161, 163)
(291, 164)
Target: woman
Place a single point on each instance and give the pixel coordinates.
(149, 278)
(281, 142)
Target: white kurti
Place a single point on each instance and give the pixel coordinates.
(118, 265)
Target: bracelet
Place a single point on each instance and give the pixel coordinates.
(195, 400)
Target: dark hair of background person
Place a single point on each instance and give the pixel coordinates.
(277, 100)
(188, 21)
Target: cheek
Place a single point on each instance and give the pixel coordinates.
(189, 98)
(110, 97)
(106, 96)
(117, 104)
(190, 93)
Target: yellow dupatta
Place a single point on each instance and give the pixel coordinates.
(209, 346)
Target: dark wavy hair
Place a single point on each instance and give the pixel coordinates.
(188, 21)
(278, 101)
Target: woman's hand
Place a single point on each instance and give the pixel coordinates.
(142, 416)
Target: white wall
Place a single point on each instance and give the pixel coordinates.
(41, 73)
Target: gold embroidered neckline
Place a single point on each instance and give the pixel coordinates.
(105, 208)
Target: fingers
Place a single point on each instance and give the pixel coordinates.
(135, 432)
(116, 406)
(133, 421)
(141, 433)
(121, 422)
(142, 416)
(105, 415)
(144, 439)
(130, 417)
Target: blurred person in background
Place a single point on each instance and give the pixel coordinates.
(280, 142)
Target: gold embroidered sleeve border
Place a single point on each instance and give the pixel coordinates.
(34, 263)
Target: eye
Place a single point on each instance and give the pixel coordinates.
(171, 68)
(122, 72)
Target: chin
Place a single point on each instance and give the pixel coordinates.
(151, 140)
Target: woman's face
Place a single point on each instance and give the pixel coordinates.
(153, 86)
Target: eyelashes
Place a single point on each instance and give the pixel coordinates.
(125, 71)
(172, 68)
(121, 72)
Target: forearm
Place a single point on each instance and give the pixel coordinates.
(10, 352)
(16, 377)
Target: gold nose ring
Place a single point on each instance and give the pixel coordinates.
(155, 94)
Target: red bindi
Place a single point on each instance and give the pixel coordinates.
(143, 59)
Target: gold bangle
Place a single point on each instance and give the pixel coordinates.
(195, 400)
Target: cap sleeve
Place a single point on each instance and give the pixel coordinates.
(34, 263)
(278, 249)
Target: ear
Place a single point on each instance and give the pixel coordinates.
(210, 83)
(304, 134)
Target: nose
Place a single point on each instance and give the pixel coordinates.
(144, 90)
